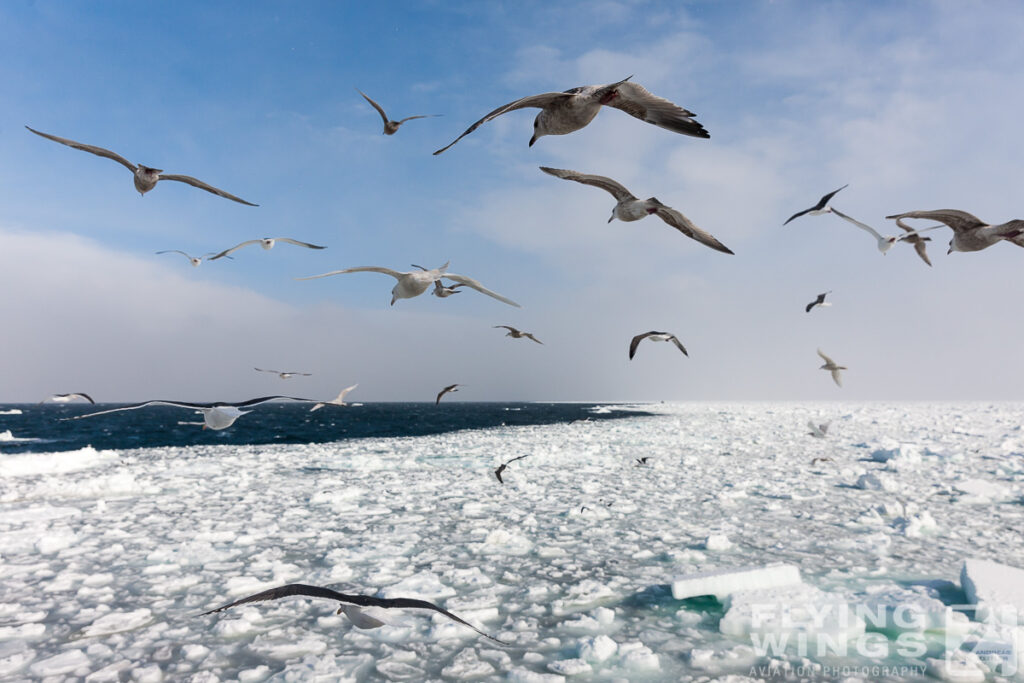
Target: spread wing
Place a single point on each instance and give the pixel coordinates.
(92, 149)
(636, 342)
(530, 336)
(359, 600)
(958, 220)
(470, 282)
(135, 406)
(686, 226)
(862, 226)
(607, 184)
(374, 105)
(444, 391)
(175, 251)
(826, 358)
(195, 182)
(679, 346)
(636, 100)
(541, 101)
(419, 116)
(297, 243)
(234, 249)
(361, 269)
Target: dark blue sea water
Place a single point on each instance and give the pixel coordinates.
(45, 428)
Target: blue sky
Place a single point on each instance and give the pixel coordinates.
(916, 105)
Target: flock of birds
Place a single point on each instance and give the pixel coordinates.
(560, 113)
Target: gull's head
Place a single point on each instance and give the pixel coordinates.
(538, 129)
(612, 217)
(952, 247)
(394, 295)
(267, 243)
(195, 261)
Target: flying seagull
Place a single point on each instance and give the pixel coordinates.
(819, 208)
(504, 465)
(266, 243)
(818, 431)
(195, 260)
(218, 415)
(629, 208)
(351, 605)
(820, 301)
(831, 366)
(391, 127)
(441, 291)
(516, 334)
(339, 401)
(654, 336)
(447, 389)
(885, 242)
(145, 177)
(67, 398)
(642, 461)
(284, 375)
(565, 112)
(413, 283)
(919, 242)
(970, 233)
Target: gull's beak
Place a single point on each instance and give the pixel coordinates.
(612, 218)
(533, 140)
(950, 251)
(392, 301)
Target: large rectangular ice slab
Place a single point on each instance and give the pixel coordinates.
(723, 582)
(996, 589)
(815, 618)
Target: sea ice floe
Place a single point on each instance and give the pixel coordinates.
(116, 622)
(800, 615)
(996, 589)
(424, 585)
(981, 491)
(31, 464)
(722, 582)
(912, 609)
(717, 542)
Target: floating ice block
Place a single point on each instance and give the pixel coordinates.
(721, 583)
(996, 589)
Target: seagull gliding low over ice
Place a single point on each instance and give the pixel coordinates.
(339, 401)
(67, 398)
(413, 283)
(565, 112)
(629, 208)
(145, 177)
(217, 415)
(351, 605)
(831, 366)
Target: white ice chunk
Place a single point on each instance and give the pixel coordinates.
(981, 491)
(721, 583)
(910, 609)
(67, 662)
(717, 542)
(115, 622)
(570, 667)
(799, 615)
(962, 667)
(996, 589)
(597, 649)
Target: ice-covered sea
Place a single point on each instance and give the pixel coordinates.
(108, 556)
